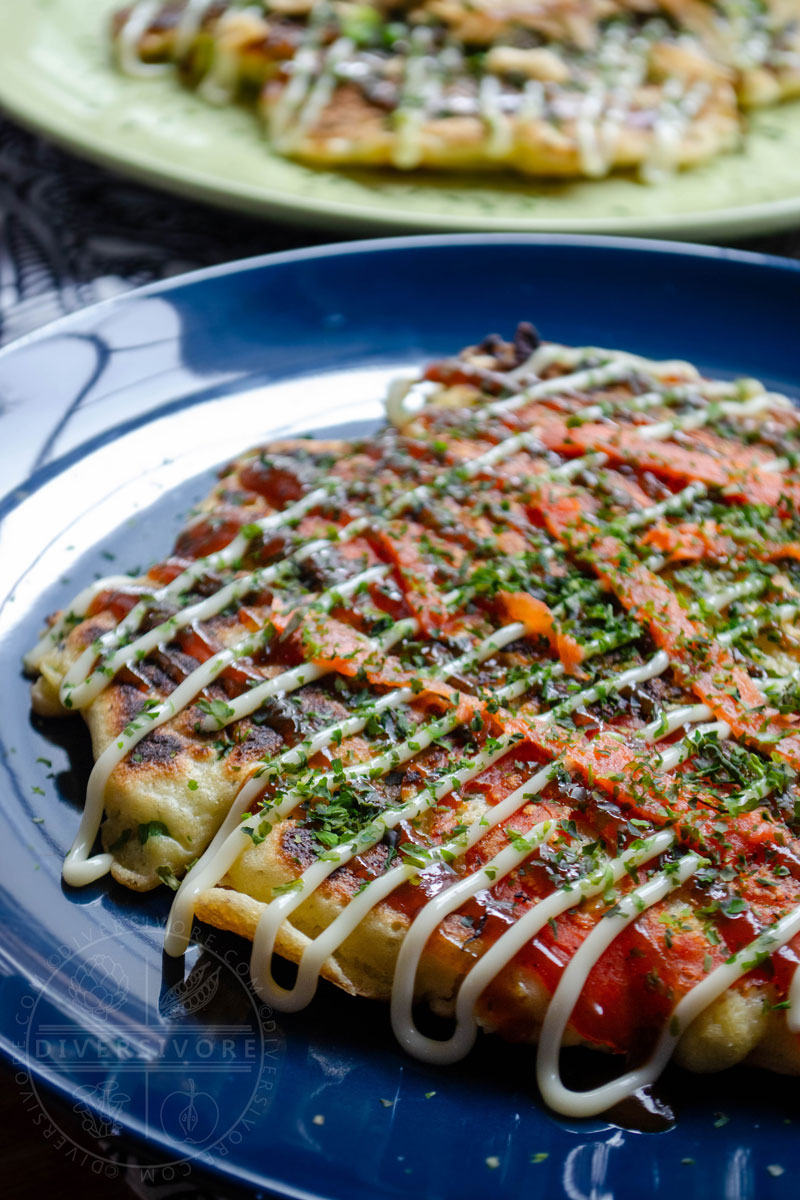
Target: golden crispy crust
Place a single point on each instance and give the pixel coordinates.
(152, 783)
(351, 130)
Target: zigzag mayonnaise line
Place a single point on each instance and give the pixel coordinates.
(215, 562)
(82, 683)
(79, 674)
(498, 955)
(589, 1103)
(325, 944)
(486, 493)
(76, 687)
(180, 923)
(130, 36)
(276, 913)
(376, 890)
(79, 869)
(225, 845)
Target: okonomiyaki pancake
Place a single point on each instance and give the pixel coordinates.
(552, 88)
(494, 710)
(530, 109)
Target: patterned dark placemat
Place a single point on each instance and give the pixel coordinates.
(72, 234)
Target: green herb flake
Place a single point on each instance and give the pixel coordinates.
(150, 829)
(168, 876)
(282, 889)
(218, 709)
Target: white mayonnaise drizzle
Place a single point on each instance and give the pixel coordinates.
(304, 67)
(533, 102)
(649, 670)
(78, 868)
(736, 591)
(501, 129)
(754, 624)
(446, 902)
(282, 906)
(592, 157)
(227, 844)
(571, 985)
(220, 83)
(499, 954)
(319, 95)
(79, 689)
(80, 684)
(625, 61)
(214, 562)
(405, 396)
(422, 88)
(189, 25)
(71, 615)
(550, 354)
(677, 109)
(130, 35)
(668, 130)
(674, 719)
(225, 849)
(673, 504)
(695, 713)
(696, 1000)
(313, 958)
(613, 371)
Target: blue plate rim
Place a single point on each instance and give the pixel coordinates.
(754, 259)
(646, 247)
(372, 245)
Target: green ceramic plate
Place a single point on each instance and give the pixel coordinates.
(55, 76)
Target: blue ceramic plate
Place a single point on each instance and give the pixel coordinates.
(111, 423)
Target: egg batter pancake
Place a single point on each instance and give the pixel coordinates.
(494, 710)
